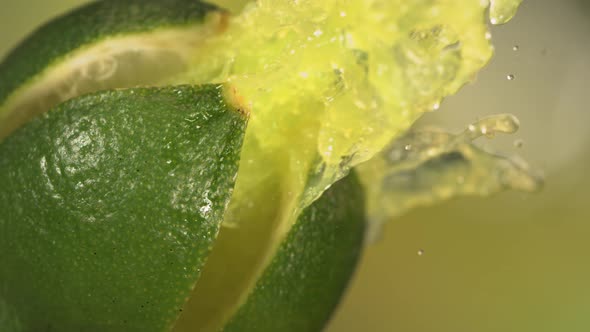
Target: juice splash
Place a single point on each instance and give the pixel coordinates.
(329, 84)
(428, 165)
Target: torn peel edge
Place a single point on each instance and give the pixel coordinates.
(237, 101)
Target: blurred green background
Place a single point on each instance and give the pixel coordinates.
(513, 262)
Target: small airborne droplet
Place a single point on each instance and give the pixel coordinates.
(421, 252)
(510, 77)
(515, 48)
(519, 143)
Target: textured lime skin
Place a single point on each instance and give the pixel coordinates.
(303, 284)
(110, 205)
(90, 24)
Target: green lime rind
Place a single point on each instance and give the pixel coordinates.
(88, 25)
(305, 280)
(110, 205)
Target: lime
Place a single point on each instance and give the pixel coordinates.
(112, 203)
(126, 173)
(303, 284)
(115, 199)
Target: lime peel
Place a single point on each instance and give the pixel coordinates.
(124, 219)
(112, 59)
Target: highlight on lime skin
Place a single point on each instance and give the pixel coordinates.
(260, 147)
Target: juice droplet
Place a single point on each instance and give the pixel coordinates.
(421, 252)
(515, 48)
(491, 125)
(510, 77)
(502, 11)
